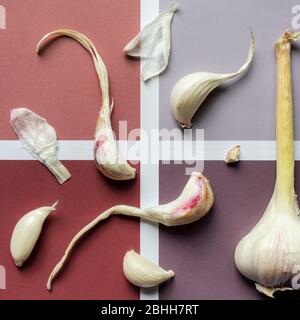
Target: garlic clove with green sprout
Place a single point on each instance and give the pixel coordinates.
(40, 139)
(27, 232)
(192, 204)
(107, 157)
(142, 272)
(269, 253)
(189, 92)
(153, 44)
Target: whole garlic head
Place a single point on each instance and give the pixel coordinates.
(27, 232)
(269, 253)
(142, 272)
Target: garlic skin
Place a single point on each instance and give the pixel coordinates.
(107, 157)
(192, 204)
(189, 92)
(233, 155)
(153, 44)
(40, 139)
(142, 272)
(27, 232)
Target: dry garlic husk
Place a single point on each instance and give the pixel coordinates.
(142, 272)
(40, 139)
(153, 44)
(27, 232)
(106, 154)
(189, 92)
(233, 155)
(192, 204)
(270, 251)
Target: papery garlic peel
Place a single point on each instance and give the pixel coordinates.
(106, 154)
(40, 139)
(233, 155)
(26, 233)
(153, 44)
(189, 92)
(192, 204)
(269, 253)
(142, 272)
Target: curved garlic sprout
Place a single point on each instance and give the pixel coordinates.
(270, 253)
(106, 154)
(192, 204)
(39, 138)
(189, 92)
(27, 232)
(142, 272)
(153, 44)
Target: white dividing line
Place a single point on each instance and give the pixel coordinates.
(149, 185)
(171, 150)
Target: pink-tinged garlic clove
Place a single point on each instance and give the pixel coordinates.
(193, 203)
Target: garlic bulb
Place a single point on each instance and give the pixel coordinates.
(27, 232)
(269, 253)
(39, 138)
(190, 91)
(142, 272)
(106, 154)
(192, 204)
(153, 44)
(233, 155)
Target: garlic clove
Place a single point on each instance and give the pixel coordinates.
(192, 204)
(142, 272)
(107, 157)
(189, 92)
(153, 44)
(270, 291)
(233, 155)
(27, 232)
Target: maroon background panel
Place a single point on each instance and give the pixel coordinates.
(95, 268)
(201, 254)
(61, 84)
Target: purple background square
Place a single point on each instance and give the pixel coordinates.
(213, 35)
(201, 254)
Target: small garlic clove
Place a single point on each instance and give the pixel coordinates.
(142, 272)
(27, 232)
(233, 155)
(189, 92)
(269, 292)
